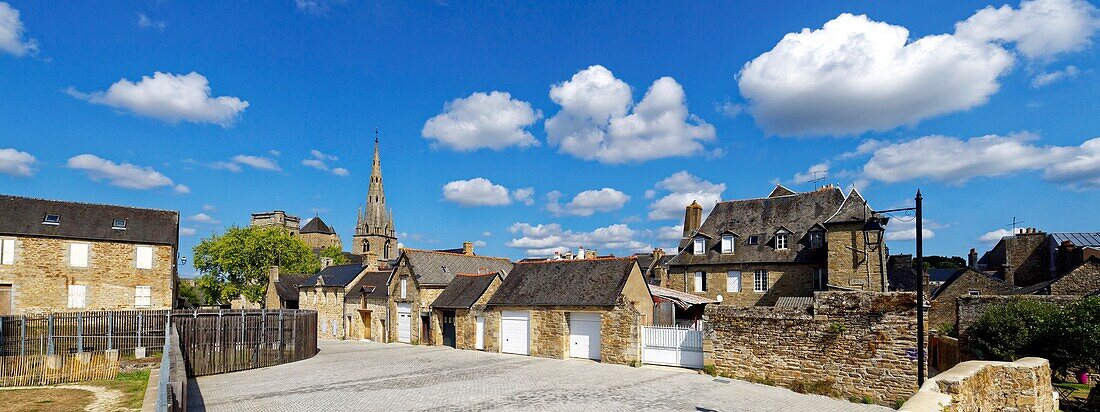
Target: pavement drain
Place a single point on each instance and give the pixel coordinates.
(720, 380)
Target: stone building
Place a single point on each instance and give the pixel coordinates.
(965, 282)
(282, 289)
(461, 312)
(755, 251)
(366, 307)
(654, 266)
(336, 294)
(1031, 256)
(374, 229)
(276, 218)
(68, 256)
(584, 308)
(317, 235)
(418, 278)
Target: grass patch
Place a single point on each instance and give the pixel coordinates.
(46, 399)
(131, 384)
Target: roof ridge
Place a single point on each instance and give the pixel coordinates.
(631, 257)
(477, 274)
(91, 203)
(782, 196)
(454, 254)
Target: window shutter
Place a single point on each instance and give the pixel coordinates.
(144, 257)
(7, 252)
(78, 254)
(77, 296)
(733, 281)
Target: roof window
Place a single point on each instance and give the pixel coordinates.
(119, 224)
(51, 219)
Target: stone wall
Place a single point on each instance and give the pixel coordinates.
(41, 275)
(1027, 258)
(970, 308)
(784, 279)
(942, 311)
(1083, 280)
(621, 343)
(549, 331)
(1022, 386)
(851, 263)
(328, 301)
(852, 344)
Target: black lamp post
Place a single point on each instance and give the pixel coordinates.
(873, 234)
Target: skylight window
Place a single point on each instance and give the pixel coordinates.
(51, 219)
(119, 224)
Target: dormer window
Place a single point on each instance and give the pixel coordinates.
(51, 219)
(781, 241)
(817, 239)
(700, 246)
(119, 224)
(754, 240)
(727, 243)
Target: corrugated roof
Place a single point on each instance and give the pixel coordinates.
(581, 282)
(438, 268)
(681, 299)
(794, 302)
(464, 291)
(87, 221)
(1080, 239)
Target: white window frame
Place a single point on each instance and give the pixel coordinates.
(781, 241)
(700, 282)
(78, 296)
(404, 287)
(821, 278)
(727, 244)
(974, 292)
(143, 257)
(143, 296)
(7, 251)
(699, 245)
(79, 254)
(733, 281)
(760, 281)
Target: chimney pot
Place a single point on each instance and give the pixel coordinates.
(468, 248)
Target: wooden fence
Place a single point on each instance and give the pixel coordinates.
(78, 332)
(35, 370)
(943, 352)
(227, 341)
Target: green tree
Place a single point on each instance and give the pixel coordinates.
(190, 293)
(1076, 337)
(236, 263)
(1018, 329)
(338, 257)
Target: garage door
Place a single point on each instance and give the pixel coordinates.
(404, 323)
(584, 335)
(513, 332)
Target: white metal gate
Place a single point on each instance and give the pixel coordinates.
(672, 346)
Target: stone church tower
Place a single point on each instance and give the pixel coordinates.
(375, 236)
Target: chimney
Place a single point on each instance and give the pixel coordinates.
(972, 258)
(273, 273)
(693, 218)
(580, 253)
(326, 262)
(370, 260)
(468, 248)
(590, 254)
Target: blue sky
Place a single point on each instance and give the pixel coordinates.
(597, 122)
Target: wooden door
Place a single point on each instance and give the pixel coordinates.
(449, 328)
(5, 300)
(365, 329)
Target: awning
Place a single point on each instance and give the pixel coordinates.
(682, 299)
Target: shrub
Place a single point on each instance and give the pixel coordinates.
(1067, 337)
(710, 370)
(836, 328)
(820, 387)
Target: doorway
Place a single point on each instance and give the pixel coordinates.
(449, 328)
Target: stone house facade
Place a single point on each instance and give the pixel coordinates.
(336, 293)
(276, 218)
(462, 313)
(556, 295)
(67, 256)
(1084, 280)
(1030, 256)
(755, 251)
(418, 278)
(318, 235)
(965, 282)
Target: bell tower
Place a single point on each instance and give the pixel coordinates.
(375, 236)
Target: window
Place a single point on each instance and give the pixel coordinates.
(975, 292)
(700, 246)
(733, 281)
(760, 281)
(754, 240)
(78, 255)
(7, 251)
(143, 296)
(821, 278)
(144, 257)
(727, 243)
(404, 287)
(51, 219)
(78, 296)
(119, 224)
(817, 239)
(781, 241)
(700, 282)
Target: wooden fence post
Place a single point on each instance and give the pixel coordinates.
(79, 332)
(110, 317)
(140, 325)
(49, 334)
(23, 336)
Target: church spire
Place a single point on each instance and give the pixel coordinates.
(375, 232)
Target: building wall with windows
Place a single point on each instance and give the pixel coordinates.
(758, 283)
(49, 274)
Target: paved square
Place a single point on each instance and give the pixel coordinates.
(348, 375)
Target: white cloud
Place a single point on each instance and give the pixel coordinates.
(952, 160)
(1045, 78)
(315, 7)
(145, 22)
(339, 171)
(274, 152)
(588, 202)
(898, 230)
(994, 236)
(123, 175)
(478, 191)
(683, 188)
(494, 121)
(16, 163)
(855, 74)
(486, 233)
(12, 31)
(202, 218)
(1040, 29)
(670, 232)
(258, 162)
(480, 243)
(209, 207)
(545, 239)
(814, 172)
(187, 231)
(525, 195)
(319, 160)
(730, 109)
(171, 98)
(230, 166)
(597, 122)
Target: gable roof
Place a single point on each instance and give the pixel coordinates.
(439, 268)
(336, 275)
(581, 282)
(316, 225)
(373, 284)
(854, 209)
(87, 221)
(781, 190)
(464, 290)
(763, 217)
(960, 273)
(287, 286)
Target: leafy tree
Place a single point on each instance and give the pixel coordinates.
(190, 293)
(1076, 337)
(944, 262)
(338, 257)
(1066, 336)
(236, 263)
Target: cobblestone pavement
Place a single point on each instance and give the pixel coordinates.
(349, 375)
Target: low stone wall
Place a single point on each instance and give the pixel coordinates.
(970, 308)
(850, 345)
(1022, 386)
(621, 340)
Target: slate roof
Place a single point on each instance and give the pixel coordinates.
(86, 221)
(940, 275)
(316, 225)
(287, 286)
(464, 290)
(336, 275)
(959, 273)
(781, 190)
(854, 209)
(763, 217)
(581, 282)
(374, 284)
(438, 268)
(682, 299)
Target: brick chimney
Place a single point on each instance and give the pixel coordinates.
(693, 218)
(468, 248)
(370, 260)
(972, 258)
(273, 273)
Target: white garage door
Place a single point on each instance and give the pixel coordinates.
(513, 332)
(584, 335)
(404, 323)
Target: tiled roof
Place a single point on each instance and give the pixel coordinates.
(316, 225)
(287, 286)
(87, 221)
(438, 268)
(580, 282)
(464, 290)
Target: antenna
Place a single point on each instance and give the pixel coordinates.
(1013, 224)
(816, 179)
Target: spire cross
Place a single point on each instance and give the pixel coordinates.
(376, 135)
